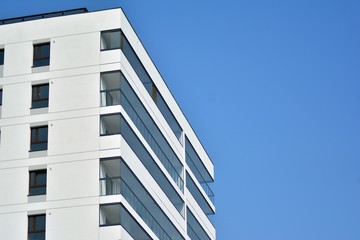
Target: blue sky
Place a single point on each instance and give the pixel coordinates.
(272, 89)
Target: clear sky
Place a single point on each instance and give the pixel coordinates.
(272, 89)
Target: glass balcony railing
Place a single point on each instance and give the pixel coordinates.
(115, 97)
(191, 233)
(150, 86)
(149, 163)
(116, 214)
(194, 230)
(110, 186)
(204, 184)
(110, 97)
(116, 185)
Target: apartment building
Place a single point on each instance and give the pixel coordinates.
(93, 145)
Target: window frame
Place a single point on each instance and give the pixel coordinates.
(2, 56)
(118, 132)
(36, 185)
(38, 57)
(107, 89)
(33, 229)
(38, 99)
(110, 31)
(1, 96)
(37, 138)
(106, 205)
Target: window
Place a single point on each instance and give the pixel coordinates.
(36, 227)
(110, 214)
(2, 56)
(117, 214)
(199, 170)
(109, 124)
(110, 176)
(39, 138)
(41, 55)
(40, 96)
(37, 182)
(110, 40)
(194, 229)
(1, 94)
(150, 86)
(110, 88)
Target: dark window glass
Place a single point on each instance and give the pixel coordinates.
(39, 138)
(109, 124)
(14, 20)
(30, 18)
(115, 39)
(117, 214)
(37, 184)
(40, 96)
(51, 15)
(41, 55)
(110, 40)
(36, 227)
(195, 230)
(110, 88)
(1, 94)
(150, 86)
(76, 11)
(2, 56)
(142, 153)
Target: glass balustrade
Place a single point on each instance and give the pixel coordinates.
(111, 97)
(152, 142)
(205, 185)
(149, 163)
(110, 186)
(191, 233)
(194, 229)
(115, 185)
(116, 214)
(150, 86)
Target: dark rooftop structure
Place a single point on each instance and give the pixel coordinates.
(43, 15)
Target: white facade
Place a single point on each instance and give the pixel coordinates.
(104, 157)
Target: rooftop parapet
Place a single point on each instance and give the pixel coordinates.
(43, 15)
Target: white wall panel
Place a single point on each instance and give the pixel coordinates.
(108, 233)
(15, 142)
(74, 223)
(73, 180)
(13, 226)
(108, 57)
(110, 142)
(14, 184)
(74, 135)
(16, 100)
(72, 93)
(19, 58)
(75, 51)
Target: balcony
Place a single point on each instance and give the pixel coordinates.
(203, 183)
(150, 86)
(198, 169)
(116, 124)
(116, 214)
(117, 178)
(194, 229)
(115, 90)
